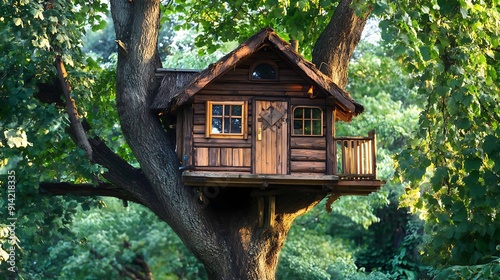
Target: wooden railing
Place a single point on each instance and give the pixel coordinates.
(355, 157)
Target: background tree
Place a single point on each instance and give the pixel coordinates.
(454, 167)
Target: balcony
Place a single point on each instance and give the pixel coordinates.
(354, 173)
(356, 157)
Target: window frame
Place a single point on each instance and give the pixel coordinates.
(244, 116)
(256, 64)
(310, 119)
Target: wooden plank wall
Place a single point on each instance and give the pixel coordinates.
(306, 154)
(271, 153)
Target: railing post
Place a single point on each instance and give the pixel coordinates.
(357, 157)
(373, 137)
(331, 143)
(335, 159)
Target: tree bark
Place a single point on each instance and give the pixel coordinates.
(335, 46)
(225, 235)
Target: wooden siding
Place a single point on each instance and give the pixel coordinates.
(298, 155)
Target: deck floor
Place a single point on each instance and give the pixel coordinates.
(302, 182)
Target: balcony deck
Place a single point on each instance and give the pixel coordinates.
(354, 168)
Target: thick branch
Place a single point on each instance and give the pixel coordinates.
(119, 172)
(103, 189)
(333, 50)
(76, 126)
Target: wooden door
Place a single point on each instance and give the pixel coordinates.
(271, 137)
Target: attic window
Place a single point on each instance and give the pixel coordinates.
(226, 119)
(264, 71)
(307, 121)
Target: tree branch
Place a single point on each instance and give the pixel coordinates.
(333, 50)
(76, 126)
(119, 172)
(102, 189)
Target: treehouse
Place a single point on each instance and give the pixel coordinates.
(264, 117)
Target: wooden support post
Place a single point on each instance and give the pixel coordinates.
(270, 211)
(267, 210)
(334, 144)
(260, 209)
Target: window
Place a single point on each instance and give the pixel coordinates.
(226, 119)
(307, 121)
(264, 71)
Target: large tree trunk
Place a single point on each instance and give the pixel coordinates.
(333, 50)
(225, 235)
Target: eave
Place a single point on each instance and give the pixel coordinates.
(170, 98)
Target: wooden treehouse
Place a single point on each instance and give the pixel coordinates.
(264, 117)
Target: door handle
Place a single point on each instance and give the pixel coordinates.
(259, 134)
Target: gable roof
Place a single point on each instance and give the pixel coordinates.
(170, 97)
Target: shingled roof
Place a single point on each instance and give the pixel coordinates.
(170, 97)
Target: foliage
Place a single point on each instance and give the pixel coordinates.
(390, 98)
(484, 271)
(453, 165)
(225, 21)
(313, 251)
(33, 138)
(183, 54)
(102, 241)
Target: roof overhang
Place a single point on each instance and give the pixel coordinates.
(169, 97)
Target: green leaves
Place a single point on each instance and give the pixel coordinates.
(458, 133)
(225, 21)
(439, 176)
(491, 145)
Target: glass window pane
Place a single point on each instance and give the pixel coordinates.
(316, 113)
(307, 121)
(216, 110)
(316, 127)
(216, 125)
(236, 110)
(227, 118)
(307, 128)
(298, 113)
(297, 126)
(264, 71)
(227, 126)
(307, 113)
(236, 125)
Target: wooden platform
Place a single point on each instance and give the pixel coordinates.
(306, 183)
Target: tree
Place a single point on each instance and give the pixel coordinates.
(230, 245)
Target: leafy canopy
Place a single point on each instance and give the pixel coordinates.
(453, 166)
(226, 21)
